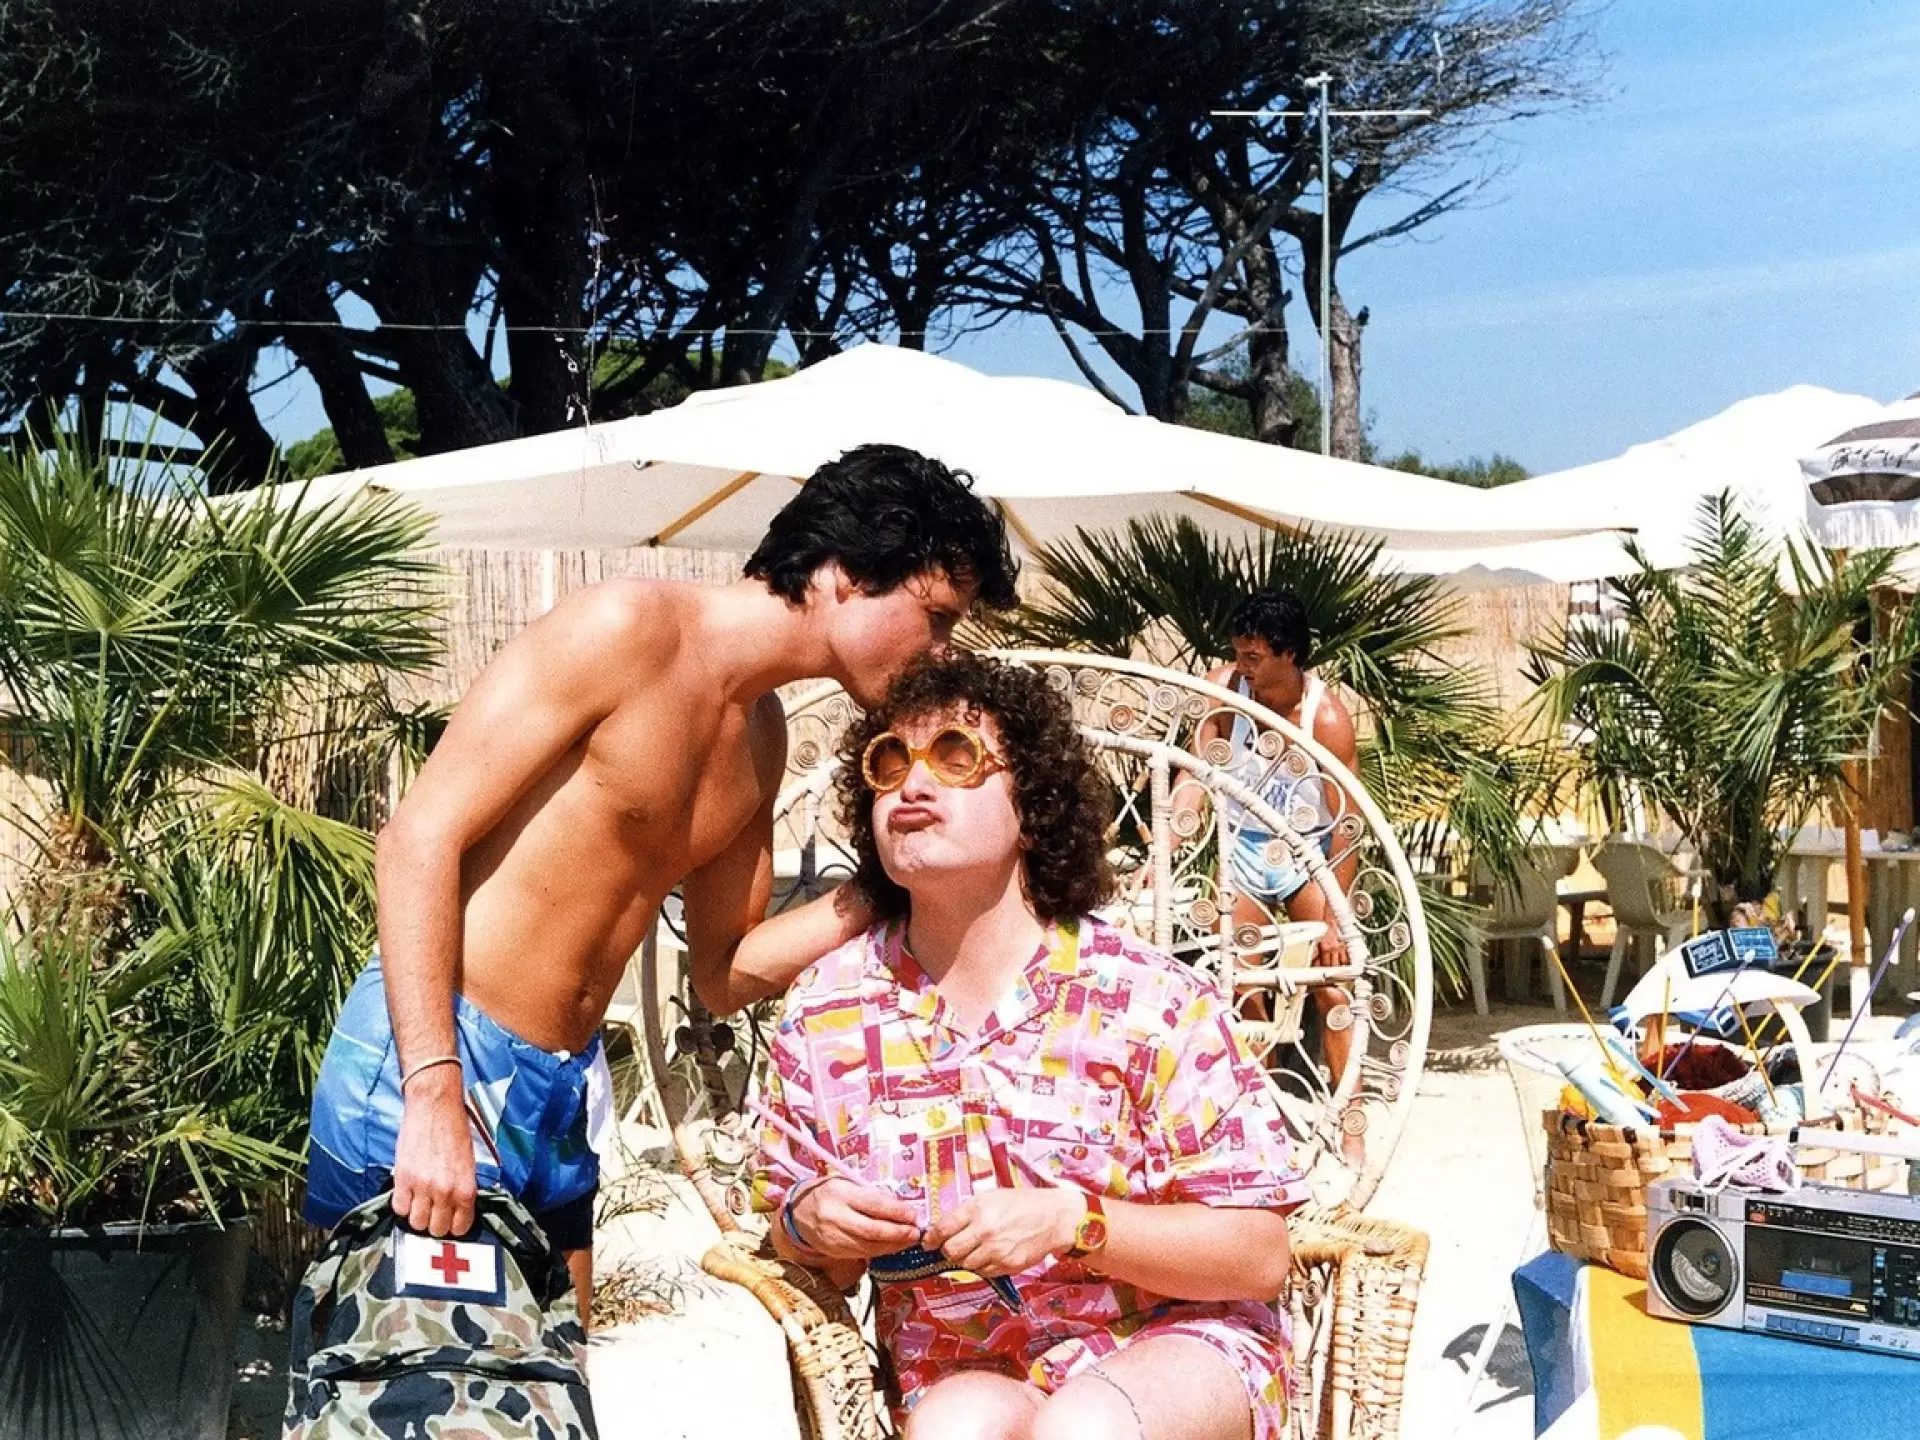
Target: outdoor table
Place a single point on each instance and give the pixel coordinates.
(1575, 903)
(1893, 883)
(1603, 1368)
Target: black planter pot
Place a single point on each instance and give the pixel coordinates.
(119, 1333)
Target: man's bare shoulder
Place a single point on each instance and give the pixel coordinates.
(628, 619)
(639, 606)
(1335, 704)
(1216, 721)
(1333, 726)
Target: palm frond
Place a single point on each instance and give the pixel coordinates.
(1732, 694)
(209, 691)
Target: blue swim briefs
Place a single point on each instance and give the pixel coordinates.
(1257, 876)
(543, 1111)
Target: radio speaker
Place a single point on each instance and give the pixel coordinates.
(1694, 1268)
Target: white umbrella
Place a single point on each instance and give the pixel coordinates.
(1862, 489)
(1752, 448)
(1863, 486)
(712, 471)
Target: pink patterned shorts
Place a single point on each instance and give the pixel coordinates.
(1029, 1353)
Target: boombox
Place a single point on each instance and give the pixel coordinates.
(1821, 1263)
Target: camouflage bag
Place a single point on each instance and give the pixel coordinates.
(400, 1335)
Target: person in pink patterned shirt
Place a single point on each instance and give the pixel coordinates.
(1087, 1175)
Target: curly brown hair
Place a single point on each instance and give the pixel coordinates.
(1058, 793)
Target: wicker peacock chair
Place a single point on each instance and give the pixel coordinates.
(1357, 1277)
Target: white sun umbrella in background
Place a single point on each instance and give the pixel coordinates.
(1863, 486)
(1862, 491)
(712, 471)
(1753, 448)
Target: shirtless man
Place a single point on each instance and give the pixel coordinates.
(627, 742)
(1272, 646)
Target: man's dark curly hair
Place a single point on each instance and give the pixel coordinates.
(1057, 791)
(1277, 617)
(887, 514)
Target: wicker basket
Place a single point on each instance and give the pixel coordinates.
(1368, 1270)
(832, 1367)
(1598, 1174)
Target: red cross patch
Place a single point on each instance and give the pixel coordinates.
(447, 1269)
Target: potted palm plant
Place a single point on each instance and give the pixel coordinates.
(205, 698)
(1731, 697)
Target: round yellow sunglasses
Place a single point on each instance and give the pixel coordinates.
(956, 756)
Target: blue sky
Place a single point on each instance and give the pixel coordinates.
(1737, 211)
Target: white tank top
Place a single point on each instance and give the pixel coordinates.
(1310, 698)
(1250, 769)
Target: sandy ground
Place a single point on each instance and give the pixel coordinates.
(715, 1364)
(1461, 1173)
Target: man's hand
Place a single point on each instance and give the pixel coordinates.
(1003, 1232)
(433, 1184)
(1330, 949)
(848, 1221)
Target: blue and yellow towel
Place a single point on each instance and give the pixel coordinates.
(1588, 1330)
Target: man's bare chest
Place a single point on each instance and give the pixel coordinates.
(672, 780)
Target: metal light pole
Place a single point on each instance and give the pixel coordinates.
(1322, 82)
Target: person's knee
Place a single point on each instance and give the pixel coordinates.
(969, 1406)
(1090, 1408)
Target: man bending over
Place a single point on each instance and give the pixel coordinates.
(627, 742)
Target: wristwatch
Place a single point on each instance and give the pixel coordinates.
(1090, 1236)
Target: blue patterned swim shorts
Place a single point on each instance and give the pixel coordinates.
(544, 1112)
(1256, 874)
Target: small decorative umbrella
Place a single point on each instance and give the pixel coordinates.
(1863, 491)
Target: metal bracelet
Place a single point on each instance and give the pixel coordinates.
(430, 1064)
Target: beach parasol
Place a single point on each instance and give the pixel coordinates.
(710, 472)
(1863, 490)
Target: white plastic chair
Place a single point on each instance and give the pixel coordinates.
(1647, 892)
(1529, 911)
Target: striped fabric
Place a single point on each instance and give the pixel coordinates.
(1863, 487)
(1603, 1369)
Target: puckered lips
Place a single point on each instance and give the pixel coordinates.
(911, 819)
